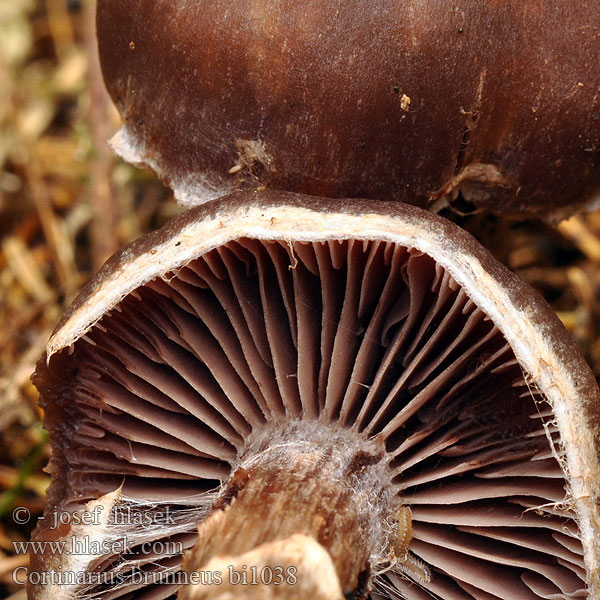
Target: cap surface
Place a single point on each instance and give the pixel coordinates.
(415, 101)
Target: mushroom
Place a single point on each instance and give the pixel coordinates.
(356, 391)
(416, 101)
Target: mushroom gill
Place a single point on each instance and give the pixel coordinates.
(364, 349)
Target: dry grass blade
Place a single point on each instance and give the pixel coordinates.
(583, 236)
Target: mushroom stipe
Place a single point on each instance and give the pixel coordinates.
(300, 377)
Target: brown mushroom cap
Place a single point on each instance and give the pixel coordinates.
(248, 320)
(411, 101)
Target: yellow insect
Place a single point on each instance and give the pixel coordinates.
(405, 561)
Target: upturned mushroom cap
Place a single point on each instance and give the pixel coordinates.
(416, 101)
(330, 336)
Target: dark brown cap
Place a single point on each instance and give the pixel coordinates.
(410, 101)
(270, 341)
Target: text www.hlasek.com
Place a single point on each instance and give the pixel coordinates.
(85, 546)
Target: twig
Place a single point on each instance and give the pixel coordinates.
(104, 237)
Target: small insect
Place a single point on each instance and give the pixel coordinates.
(406, 562)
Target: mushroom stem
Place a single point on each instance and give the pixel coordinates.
(295, 568)
(332, 494)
